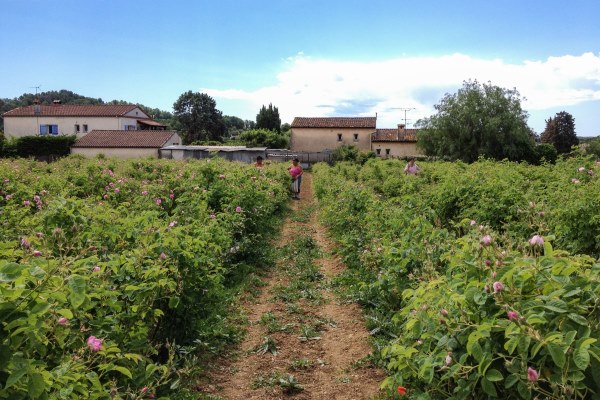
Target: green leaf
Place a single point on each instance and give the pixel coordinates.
(77, 287)
(523, 390)
(511, 380)
(578, 319)
(40, 308)
(36, 385)
(511, 344)
(493, 375)
(581, 357)
(524, 342)
(558, 306)
(15, 376)
(557, 353)
(488, 387)
(11, 272)
(123, 370)
(65, 313)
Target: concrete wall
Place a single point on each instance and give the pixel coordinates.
(321, 139)
(116, 152)
(137, 113)
(30, 126)
(397, 149)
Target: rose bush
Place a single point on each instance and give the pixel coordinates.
(465, 293)
(103, 289)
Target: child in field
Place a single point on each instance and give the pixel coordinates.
(295, 171)
(411, 168)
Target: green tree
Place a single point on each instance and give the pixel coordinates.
(234, 125)
(265, 138)
(268, 118)
(478, 120)
(593, 147)
(560, 132)
(198, 118)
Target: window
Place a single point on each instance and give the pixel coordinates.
(85, 127)
(48, 129)
(339, 137)
(130, 127)
(378, 151)
(76, 128)
(387, 152)
(356, 137)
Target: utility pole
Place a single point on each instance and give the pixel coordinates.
(36, 88)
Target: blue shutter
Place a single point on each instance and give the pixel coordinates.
(43, 129)
(53, 129)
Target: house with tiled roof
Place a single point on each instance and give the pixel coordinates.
(75, 119)
(125, 144)
(395, 143)
(328, 133)
(324, 134)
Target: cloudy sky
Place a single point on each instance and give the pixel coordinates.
(395, 59)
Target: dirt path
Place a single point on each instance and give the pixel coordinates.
(301, 342)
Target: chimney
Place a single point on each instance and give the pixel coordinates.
(56, 101)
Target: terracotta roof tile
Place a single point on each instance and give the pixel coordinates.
(72, 110)
(132, 139)
(335, 122)
(392, 135)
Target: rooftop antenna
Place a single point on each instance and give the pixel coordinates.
(405, 111)
(36, 88)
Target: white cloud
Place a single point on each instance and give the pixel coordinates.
(320, 87)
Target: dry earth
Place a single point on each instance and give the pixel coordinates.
(331, 366)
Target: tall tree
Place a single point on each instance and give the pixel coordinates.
(560, 132)
(478, 120)
(234, 125)
(198, 118)
(268, 118)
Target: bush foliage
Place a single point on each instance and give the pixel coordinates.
(480, 280)
(116, 275)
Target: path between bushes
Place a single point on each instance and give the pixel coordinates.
(321, 344)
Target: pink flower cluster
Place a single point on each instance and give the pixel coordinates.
(536, 240)
(94, 344)
(486, 240)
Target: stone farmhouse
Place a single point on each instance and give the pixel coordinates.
(69, 119)
(125, 144)
(326, 134)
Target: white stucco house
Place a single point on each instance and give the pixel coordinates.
(71, 119)
(125, 143)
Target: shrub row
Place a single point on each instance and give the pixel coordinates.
(112, 271)
(466, 293)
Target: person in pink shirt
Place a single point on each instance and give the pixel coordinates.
(411, 168)
(295, 171)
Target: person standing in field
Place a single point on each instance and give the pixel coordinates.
(259, 162)
(411, 168)
(295, 171)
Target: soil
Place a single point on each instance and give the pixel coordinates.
(334, 365)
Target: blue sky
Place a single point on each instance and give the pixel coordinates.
(308, 58)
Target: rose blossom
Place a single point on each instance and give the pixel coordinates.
(62, 321)
(96, 269)
(448, 359)
(26, 203)
(512, 315)
(575, 181)
(473, 222)
(581, 169)
(145, 193)
(444, 312)
(498, 287)
(532, 375)
(158, 202)
(486, 240)
(37, 253)
(213, 216)
(238, 209)
(536, 240)
(221, 176)
(94, 344)
(24, 243)
(163, 256)
(401, 390)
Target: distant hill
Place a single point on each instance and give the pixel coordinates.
(68, 97)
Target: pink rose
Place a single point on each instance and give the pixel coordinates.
(581, 169)
(26, 203)
(158, 202)
(163, 256)
(532, 375)
(536, 240)
(221, 176)
(96, 269)
(94, 344)
(238, 209)
(117, 190)
(486, 240)
(498, 287)
(145, 193)
(512, 315)
(213, 216)
(24, 243)
(444, 312)
(62, 321)
(37, 253)
(448, 359)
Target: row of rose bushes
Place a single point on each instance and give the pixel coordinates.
(111, 272)
(477, 302)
